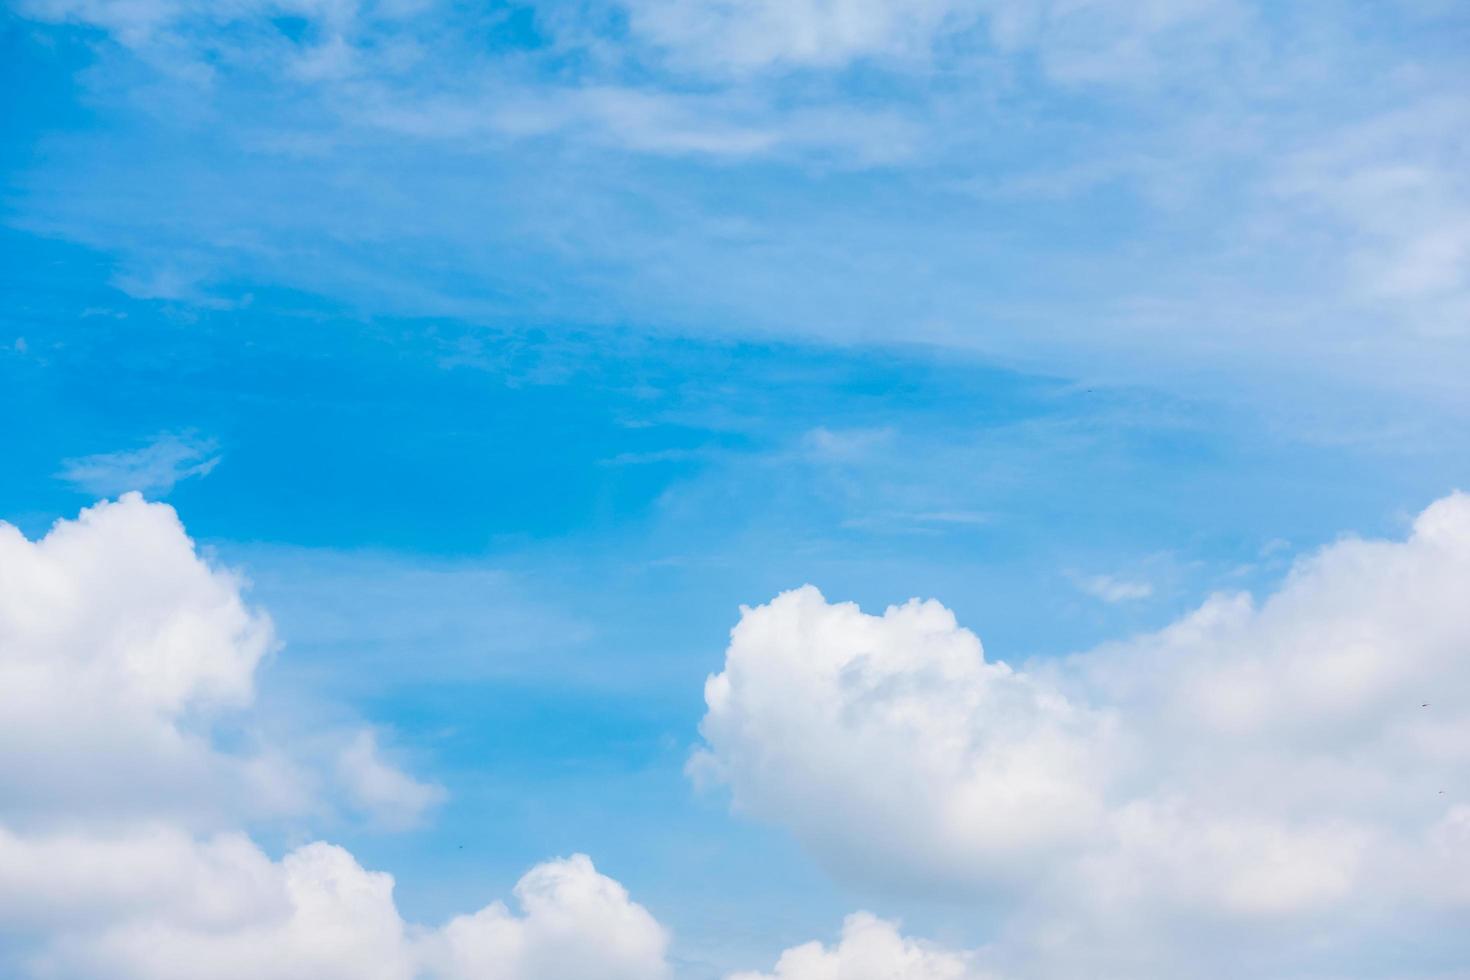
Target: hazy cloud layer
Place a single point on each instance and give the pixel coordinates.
(1191, 174)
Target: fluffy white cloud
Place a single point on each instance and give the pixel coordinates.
(123, 655)
(120, 652)
(576, 923)
(890, 744)
(157, 904)
(1251, 764)
(118, 646)
(1251, 775)
(118, 604)
(870, 949)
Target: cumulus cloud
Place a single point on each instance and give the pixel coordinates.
(157, 904)
(870, 949)
(124, 656)
(945, 766)
(125, 849)
(154, 469)
(124, 852)
(1252, 774)
(118, 647)
(1249, 766)
(576, 924)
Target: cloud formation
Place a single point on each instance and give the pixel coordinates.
(1250, 775)
(745, 35)
(124, 846)
(1110, 588)
(118, 647)
(157, 904)
(1106, 41)
(869, 949)
(154, 469)
(945, 768)
(1232, 198)
(1249, 767)
(124, 656)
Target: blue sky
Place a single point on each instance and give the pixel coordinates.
(508, 351)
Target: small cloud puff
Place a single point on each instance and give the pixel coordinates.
(1111, 589)
(870, 949)
(390, 796)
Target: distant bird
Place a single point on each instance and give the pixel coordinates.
(1424, 705)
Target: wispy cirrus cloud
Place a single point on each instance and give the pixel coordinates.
(1110, 588)
(1108, 42)
(153, 469)
(1186, 172)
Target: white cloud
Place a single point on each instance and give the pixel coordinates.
(1247, 774)
(740, 35)
(870, 949)
(944, 767)
(118, 646)
(157, 904)
(390, 795)
(1109, 588)
(153, 469)
(123, 845)
(123, 654)
(1187, 109)
(1108, 41)
(1247, 767)
(1075, 42)
(1123, 42)
(576, 924)
(845, 445)
(727, 124)
(1392, 196)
